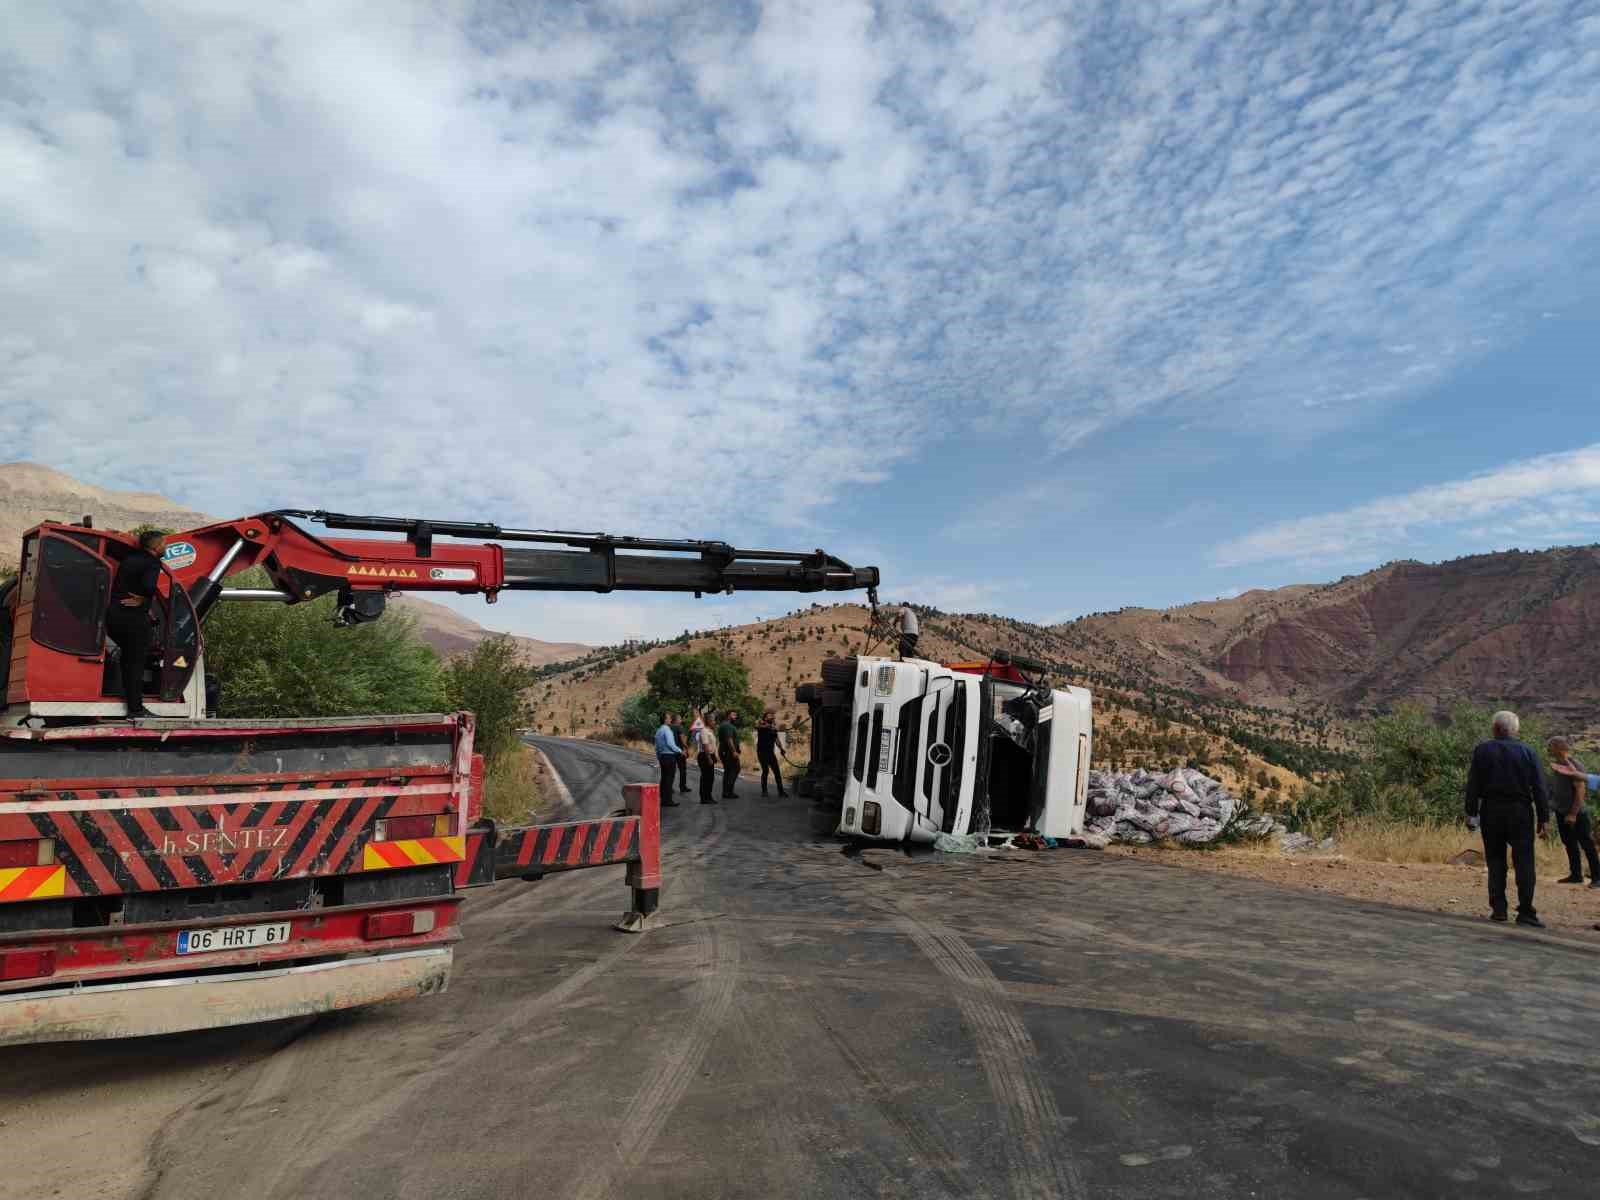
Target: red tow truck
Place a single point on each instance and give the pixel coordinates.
(179, 871)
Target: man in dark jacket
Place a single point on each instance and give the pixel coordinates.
(767, 750)
(128, 618)
(1506, 795)
(728, 752)
(1567, 792)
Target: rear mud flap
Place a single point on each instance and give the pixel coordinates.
(175, 1005)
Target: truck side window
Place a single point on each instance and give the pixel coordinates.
(875, 741)
(859, 767)
(70, 598)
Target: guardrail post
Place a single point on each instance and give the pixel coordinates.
(643, 800)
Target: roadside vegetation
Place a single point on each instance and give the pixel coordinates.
(709, 681)
(292, 660)
(1400, 799)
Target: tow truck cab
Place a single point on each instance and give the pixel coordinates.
(909, 749)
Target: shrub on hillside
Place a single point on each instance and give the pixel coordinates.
(1410, 768)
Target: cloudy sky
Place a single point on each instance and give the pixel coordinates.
(1044, 308)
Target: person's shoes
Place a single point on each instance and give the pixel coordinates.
(763, 791)
(1497, 916)
(1595, 884)
(135, 713)
(708, 802)
(783, 795)
(1571, 879)
(1530, 920)
(669, 803)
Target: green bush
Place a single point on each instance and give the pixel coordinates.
(295, 661)
(490, 681)
(1410, 768)
(684, 683)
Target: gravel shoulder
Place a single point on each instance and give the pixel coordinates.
(1567, 910)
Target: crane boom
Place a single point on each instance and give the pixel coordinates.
(53, 617)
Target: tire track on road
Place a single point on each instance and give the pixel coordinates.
(1032, 1131)
(646, 1115)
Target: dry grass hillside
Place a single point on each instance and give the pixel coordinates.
(30, 493)
(1132, 729)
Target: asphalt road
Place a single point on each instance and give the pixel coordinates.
(805, 1023)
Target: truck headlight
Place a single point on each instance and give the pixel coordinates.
(871, 817)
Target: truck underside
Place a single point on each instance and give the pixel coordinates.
(908, 750)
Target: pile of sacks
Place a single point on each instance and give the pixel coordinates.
(1183, 805)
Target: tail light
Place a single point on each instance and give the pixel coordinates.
(27, 964)
(871, 817)
(400, 924)
(32, 853)
(394, 829)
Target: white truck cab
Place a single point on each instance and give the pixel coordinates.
(907, 749)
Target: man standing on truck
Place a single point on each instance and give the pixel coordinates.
(667, 753)
(728, 751)
(1506, 796)
(767, 750)
(128, 618)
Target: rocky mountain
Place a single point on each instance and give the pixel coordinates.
(1519, 628)
(30, 493)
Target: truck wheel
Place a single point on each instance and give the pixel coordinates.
(807, 693)
(839, 672)
(832, 698)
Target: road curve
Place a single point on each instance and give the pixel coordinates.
(810, 1024)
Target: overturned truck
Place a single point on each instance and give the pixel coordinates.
(907, 749)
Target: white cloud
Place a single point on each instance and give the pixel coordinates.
(674, 268)
(1544, 500)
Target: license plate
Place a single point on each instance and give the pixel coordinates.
(232, 937)
(885, 750)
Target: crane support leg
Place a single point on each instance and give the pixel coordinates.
(633, 837)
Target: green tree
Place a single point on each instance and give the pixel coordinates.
(491, 681)
(637, 717)
(684, 683)
(295, 661)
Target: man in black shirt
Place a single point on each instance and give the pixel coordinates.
(128, 619)
(767, 750)
(1506, 794)
(1568, 789)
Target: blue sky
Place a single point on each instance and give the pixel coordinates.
(1044, 308)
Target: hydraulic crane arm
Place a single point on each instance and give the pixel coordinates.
(303, 566)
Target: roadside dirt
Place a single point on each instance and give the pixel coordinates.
(1432, 887)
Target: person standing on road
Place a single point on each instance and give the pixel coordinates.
(128, 617)
(705, 745)
(667, 754)
(767, 750)
(683, 759)
(1567, 793)
(728, 751)
(1506, 797)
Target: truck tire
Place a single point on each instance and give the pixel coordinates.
(832, 698)
(839, 672)
(807, 693)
